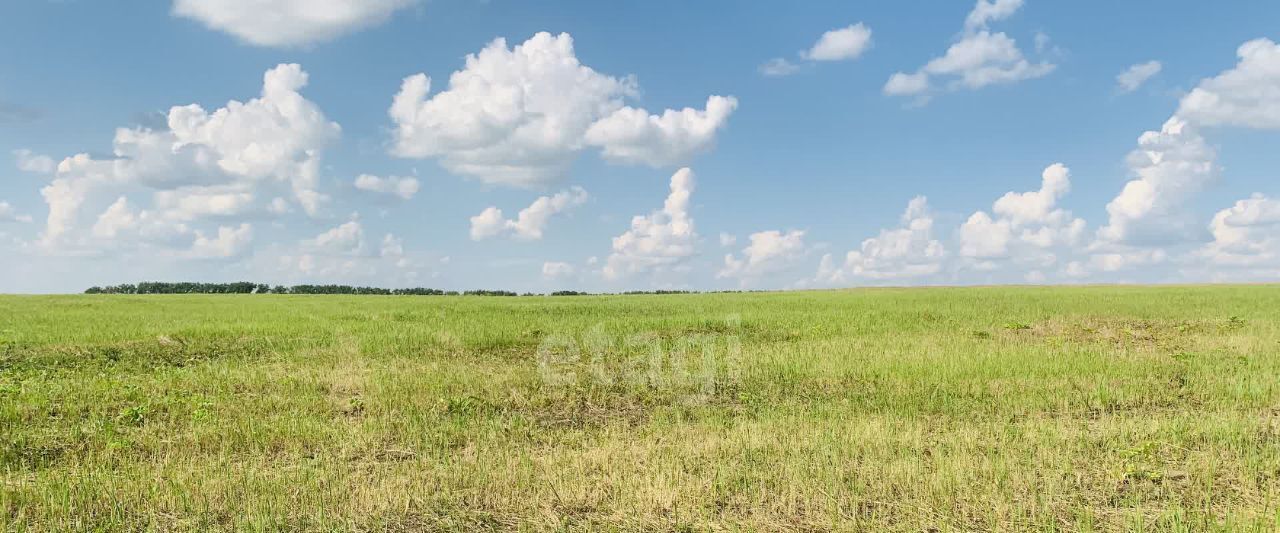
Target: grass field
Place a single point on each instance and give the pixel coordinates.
(1046, 409)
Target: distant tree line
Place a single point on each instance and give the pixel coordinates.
(157, 287)
(347, 289)
(245, 287)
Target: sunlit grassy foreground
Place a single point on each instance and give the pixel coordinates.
(952, 409)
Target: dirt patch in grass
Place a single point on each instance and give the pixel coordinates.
(22, 453)
(1165, 336)
(164, 351)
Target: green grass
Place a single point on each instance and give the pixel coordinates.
(1043, 409)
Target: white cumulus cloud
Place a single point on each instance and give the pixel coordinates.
(288, 22)
(977, 59)
(1246, 236)
(122, 224)
(1136, 75)
(769, 252)
(520, 116)
(1168, 167)
(557, 270)
(195, 203)
(907, 252)
(659, 241)
(345, 239)
(1247, 95)
(633, 136)
(530, 223)
(1028, 229)
(840, 44)
(778, 67)
(401, 187)
(9, 214)
(118, 218)
(29, 161)
(227, 242)
(219, 164)
(987, 11)
(901, 83)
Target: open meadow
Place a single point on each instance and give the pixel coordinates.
(948, 409)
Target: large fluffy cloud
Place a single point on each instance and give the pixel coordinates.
(1150, 215)
(1028, 229)
(241, 159)
(1168, 167)
(1246, 238)
(769, 253)
(907, 252)
(1247, 95)
(633, 136)
(977, 59)
(531, 221)
(659, 241)
(121, 221)
(288, 22)
(521, 115)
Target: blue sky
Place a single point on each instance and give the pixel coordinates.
(808, 179)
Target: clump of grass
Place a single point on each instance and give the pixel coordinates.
(134, 416)
(1142, 463)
